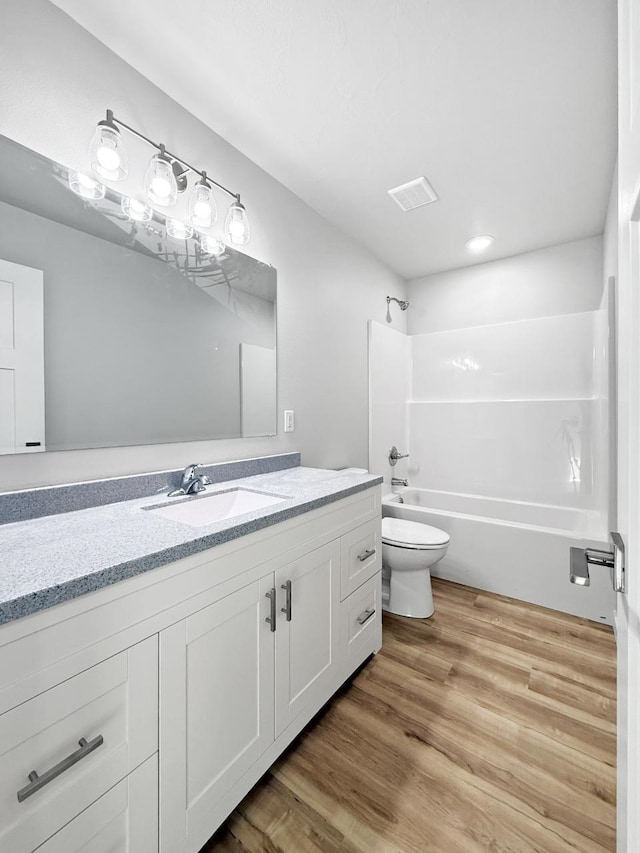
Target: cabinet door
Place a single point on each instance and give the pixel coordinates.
(216, 709)
(307, 637)
(125, 819)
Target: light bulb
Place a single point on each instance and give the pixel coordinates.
(107, 153)
(179, 230)
(211, 245)
(236, 225)
(135, 209)
(480, 243)
(160, 182)
(202, 205)
(85, 186)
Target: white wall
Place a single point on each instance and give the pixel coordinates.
(56, 80)
(563, 279)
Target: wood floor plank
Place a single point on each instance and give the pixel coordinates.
(488, 727)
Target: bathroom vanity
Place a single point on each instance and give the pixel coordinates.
(136, 715)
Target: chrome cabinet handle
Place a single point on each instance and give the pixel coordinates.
(271, 619)
(366, 554)
(364, 617)
(287, 608)
(36, 781)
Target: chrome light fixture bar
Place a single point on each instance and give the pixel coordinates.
(166, 176)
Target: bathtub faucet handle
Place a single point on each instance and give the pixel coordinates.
(398, 481)
(394, 455)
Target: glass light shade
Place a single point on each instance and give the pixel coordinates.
(85, 186)
(160, 182)
(135, 209)
(236, 226)
(202, 206)
(107, 154)
(179, 230)
(211, 245)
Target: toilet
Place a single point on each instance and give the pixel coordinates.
(409, 548)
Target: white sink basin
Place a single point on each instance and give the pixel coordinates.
(207, 509)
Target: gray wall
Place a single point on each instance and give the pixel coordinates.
(564, 279)
(56, 80)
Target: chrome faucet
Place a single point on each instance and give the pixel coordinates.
(192, 483)
(398, 481)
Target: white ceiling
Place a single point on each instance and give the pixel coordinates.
(508, 108)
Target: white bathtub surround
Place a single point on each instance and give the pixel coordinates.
(514, 411)
(389, 391)
(510, 556)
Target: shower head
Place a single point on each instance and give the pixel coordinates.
(401, 302)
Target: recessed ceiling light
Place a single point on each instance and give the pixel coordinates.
(479, 244)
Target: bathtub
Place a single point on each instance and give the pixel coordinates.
(513, 548)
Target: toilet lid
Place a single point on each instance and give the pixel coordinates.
(412, 532)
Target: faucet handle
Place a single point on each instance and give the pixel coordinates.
(394, 455)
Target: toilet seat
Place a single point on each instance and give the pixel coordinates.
(412, 534)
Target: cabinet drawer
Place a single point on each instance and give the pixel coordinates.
(361, 617)
(125, 819)
(81, 738)
(361, 556)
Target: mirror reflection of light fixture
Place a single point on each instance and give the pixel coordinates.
(160, 181)
(85, 186)
(165, 177)
(202, 204)
(236, 226)
(179, 230)
(211, 245)
(137, 210)
(107, 154)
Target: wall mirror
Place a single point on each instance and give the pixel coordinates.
(113, 333)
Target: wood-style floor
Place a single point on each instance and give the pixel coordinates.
(490, 726)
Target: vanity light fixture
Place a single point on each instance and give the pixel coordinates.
(479, 244)
(211, 245)
(160, 182)
(85, 186)
(107, 153)
(236, 226)
(179, 230)
(134, 209)
(202, 205)
(166, 176)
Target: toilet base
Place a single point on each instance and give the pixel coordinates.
(408, 593)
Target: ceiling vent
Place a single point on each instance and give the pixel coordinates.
(414, 194)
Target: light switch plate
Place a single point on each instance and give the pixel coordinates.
(289, 421)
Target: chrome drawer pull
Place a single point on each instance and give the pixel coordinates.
(271, 619)
(287, 608)
(366, 554)
(36, 781)
(364, 617)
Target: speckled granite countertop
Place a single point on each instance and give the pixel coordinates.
(46, 561)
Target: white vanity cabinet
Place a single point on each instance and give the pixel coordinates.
(196, 676)
(234, 676)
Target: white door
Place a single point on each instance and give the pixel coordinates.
(628, 332)
(21, 359)
(216, 709)
(307, 636)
